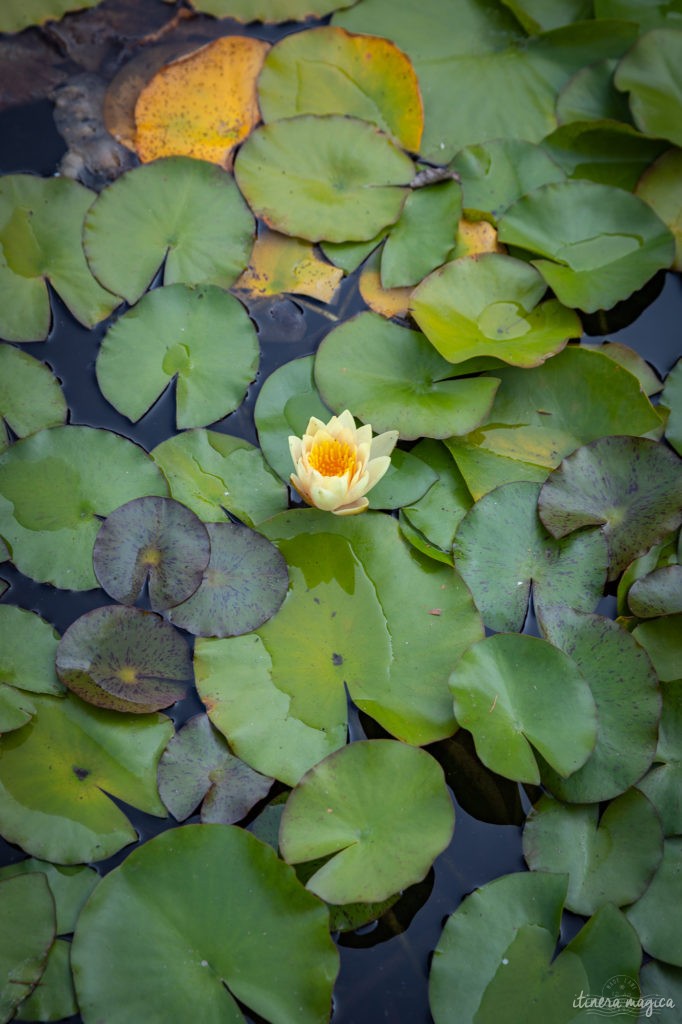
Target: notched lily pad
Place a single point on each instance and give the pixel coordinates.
(243, 586)
(30, 395)
(650, 73)
(28, 645)
(651, 915)
(28, 931)
(494, 174)
(152, 541)
(658, 593)
(423, 237)
(281, 264)
(124, 659)
(16, 708)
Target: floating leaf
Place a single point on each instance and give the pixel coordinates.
(626, 693)
(27, 934)
(184, 214)
(660, 981)
(197, 766)
(349, 255)
(378, 811)
(203, 104)
(30, 395)
(494, 174)
(202, 338)
(437, 515)
(650, 916)
(243, 586)
(41, 220)
(590, 95)
(281, 264)
(608, 860)
(70, 887)
(508, 718)
(660, 187)
(16, 708)
(662, 640)
(658, 593)
(649, 380)
(124, 659)
(475, 237)
(406, 480)
(56, 486)
(28, 645)
(631, 487)
(392, 378)
(484, 470)
(155, 542)
(215, 474)
(333, 178)
(54, 997)
(269, 10)
(663, 783)
(650, 73)
(19, 14)
(388, 302)
(329, 71)
(490, 306)
(172, 894)
(603, 151)
(672, 399)
(540, 15)
(499, 566)
(423, 236)
(649, 14)
(599, 243)
(56, 771)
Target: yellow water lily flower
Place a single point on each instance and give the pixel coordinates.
(337, 463)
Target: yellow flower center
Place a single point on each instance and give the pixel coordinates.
(332, 458)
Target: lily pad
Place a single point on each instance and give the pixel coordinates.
(660, 982)
(56, 771)
(649, 381)
(672, 400)
(631, 487)
(423, 236)
(650, 915)
(334, 178)
(330, 71)
(392, 378)
(56, 486)
(70, 887)
(202, 338)
(28, 933)
(491, 306)
(17, 15)
(660, 187)
(540, 15)
(662, 640)
(387, 302)
(184, 214)
(406, 480)
(658, 593)
(590, 95)
(499, 566)
(30, 395)
(608, 859)
(243, 585)
(626, 693)
(597, 244)
(508, 717)
(41, 220)
(16, 708)
(663, 783)
(650, 14)
(494, 174)
(217, 475)
(269, 10)
(484, 470)
(378, 811)
(651, 73)
(28, 645)
(155, 542)
(603, 151)
(281, 264)
(197, 767)
(124, 659)
(54, 997)
(438, 513)
(203, 104)
(172, 894)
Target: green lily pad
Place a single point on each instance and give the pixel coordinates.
(392, 378)
(333, 178)
(27, 934)
(660, 187)
(19, 14)
(172, 894)
(54, 997)
(243, 585)
(184, 214)
(16, 708)
(649, 381)
(605, 151)
(269, 10)
(672, 400)
(610, 859)
(660, 982)
(55, 772)
(658, 593)
(216, 475)
(41, 220)
(70, 887)
(597, 244)
(30, 395)
(499, 566)
(609, 949)
(197, 767)
(438, 513)
(626, 693)
(650, 916)
(494, 174)
(55, 487)
(490, 306)
(508, 718)
(657, 557)
(651, 73)
(202, 338)
(631, 487)
(663, 782)
(484, 470)
(541, 15)
(590, 95)
(662, 640)
(124, 659)
(645, 13)
(28, 645)
(406, 480)
(349, 255)
(378, 811)
(423, 236)
(155, 542)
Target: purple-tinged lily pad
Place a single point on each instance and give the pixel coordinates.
(658, 593)
(631, 487)
(197, 765)
(151, 540)
(243, 586)
(124, 659)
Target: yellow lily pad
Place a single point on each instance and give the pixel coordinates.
(280, 264)
(203, 104)
(475, 237)
(388, 302)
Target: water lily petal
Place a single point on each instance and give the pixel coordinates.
(383, 444)
(352, 510)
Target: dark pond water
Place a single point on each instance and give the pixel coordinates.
(384, 967)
